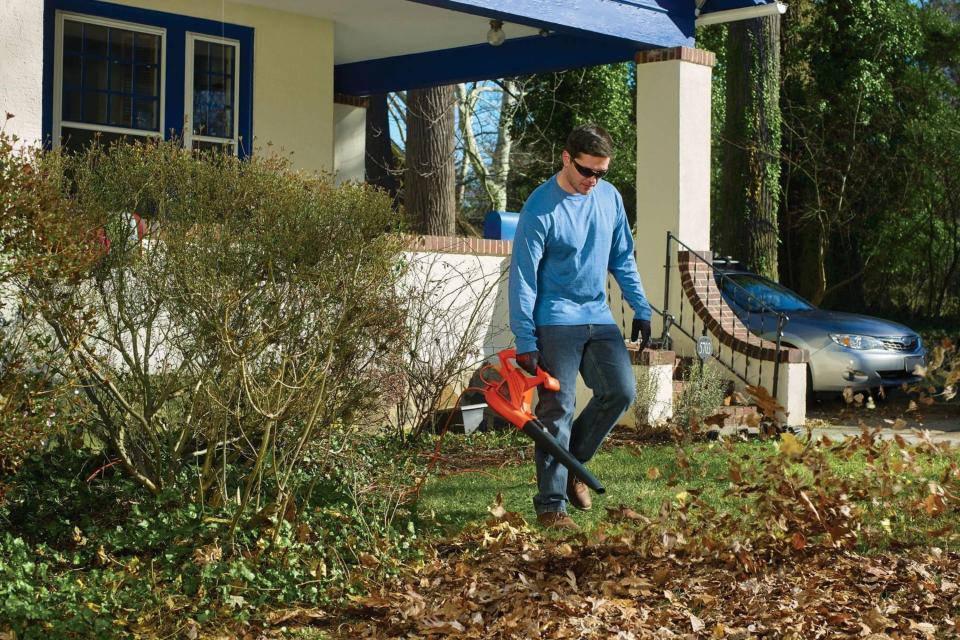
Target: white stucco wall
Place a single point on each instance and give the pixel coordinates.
(21, 68)
(349, 134)
(462, 290)
(292, 76)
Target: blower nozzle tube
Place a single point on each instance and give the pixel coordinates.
(539, 434)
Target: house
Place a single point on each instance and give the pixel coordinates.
(242, 75)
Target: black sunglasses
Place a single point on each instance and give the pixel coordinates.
(588, 173)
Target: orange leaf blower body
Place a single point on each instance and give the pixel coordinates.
(512, 396)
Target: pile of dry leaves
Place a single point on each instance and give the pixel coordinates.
(793, 561)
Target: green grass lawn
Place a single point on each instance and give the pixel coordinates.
(644, 477)
(463, 498)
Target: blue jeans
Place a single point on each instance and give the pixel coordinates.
(598, 353)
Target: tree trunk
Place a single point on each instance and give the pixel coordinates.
(750, 177)
(501, 153)
(380, 162)
(429, 184)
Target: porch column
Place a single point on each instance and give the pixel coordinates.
(21, 69)
(349, 137)
(673, 165)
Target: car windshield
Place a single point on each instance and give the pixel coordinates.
(756, 294)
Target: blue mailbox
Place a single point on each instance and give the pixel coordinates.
(500, 225)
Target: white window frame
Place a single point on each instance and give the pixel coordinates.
(58, 122)
(188, 136)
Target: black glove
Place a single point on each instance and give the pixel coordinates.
(529, 361)
(641, 328)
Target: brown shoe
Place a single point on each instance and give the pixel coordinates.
(578, 494)
(557, 520)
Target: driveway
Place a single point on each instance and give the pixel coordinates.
(897, 414)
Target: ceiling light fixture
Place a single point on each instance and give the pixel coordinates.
(496, 36)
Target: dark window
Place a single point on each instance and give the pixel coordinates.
(111, 76)
(214, 75)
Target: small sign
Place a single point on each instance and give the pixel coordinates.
(704, 347)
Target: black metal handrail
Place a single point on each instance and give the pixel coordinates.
(763, 307)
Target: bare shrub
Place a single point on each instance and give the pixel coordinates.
(238, 327)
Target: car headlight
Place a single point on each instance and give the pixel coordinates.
(860, 343)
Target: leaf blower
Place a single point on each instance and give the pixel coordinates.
(511, 397)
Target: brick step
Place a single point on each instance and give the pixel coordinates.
(736, 415)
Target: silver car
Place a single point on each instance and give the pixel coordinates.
(846, 349)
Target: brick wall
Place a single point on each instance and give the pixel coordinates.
(700, 288)
(454, 244)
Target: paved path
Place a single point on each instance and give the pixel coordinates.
(892, 416)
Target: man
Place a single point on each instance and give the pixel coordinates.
(572, 231)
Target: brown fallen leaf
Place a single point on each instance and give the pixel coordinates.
(496, 509)
(661, 576)
(716, 420)
(368, 560)
(653, 473)
(622, 514)
(696, 624)
(798, 541)
(877, 622)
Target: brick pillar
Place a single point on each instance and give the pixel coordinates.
(673, 163)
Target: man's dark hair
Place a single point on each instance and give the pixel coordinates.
(590, 139)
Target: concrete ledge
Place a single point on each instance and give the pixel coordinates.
(683, 54)
(650, 357)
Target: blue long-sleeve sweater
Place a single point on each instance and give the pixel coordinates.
(564, 246)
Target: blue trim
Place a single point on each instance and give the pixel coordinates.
(177, 27)
(648, 24)
(516, 56)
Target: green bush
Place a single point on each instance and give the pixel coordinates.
(37, 241)
(242, 323)
(200, 378)
(702, 395)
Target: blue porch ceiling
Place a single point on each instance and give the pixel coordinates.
(580, 33)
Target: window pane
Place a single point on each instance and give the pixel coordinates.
(72, 36)
(199, 114)
(147, 84)
(71, 71)
(147, 49)
(79, 139)
(146, 114)
(121, 44)
(114, 80)
(94, 108)
(95, 39)
(121, 111)
(71, 105)
(213, 147)
(221, 85)
(121, 77)
(213, 108)
(201, 58)
(95, 74)
(216, 58)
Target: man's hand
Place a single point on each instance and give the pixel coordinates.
(529, 361)
(641, 328)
